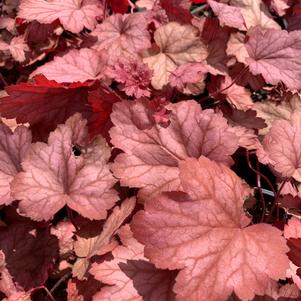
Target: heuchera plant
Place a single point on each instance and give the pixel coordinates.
(150, 150)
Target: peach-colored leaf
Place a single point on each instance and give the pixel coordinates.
(236, 47)
(179, 44)
(204, 233)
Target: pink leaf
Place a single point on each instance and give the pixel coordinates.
(283, 145)
(122, 36)
(276, 54)
(227, 15)
(16, 48)
(73, 15)
(207, 236)
(293, 228)
(148, 4)
(132, 276)
(75, 66)
(292, 232)
(53, 176)
(8, 23)
(152, 153)
(12, 151)
(276, 292)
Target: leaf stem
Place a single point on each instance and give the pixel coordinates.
(46, 290)
(3, 80)
(262, 200)
(60, 281)
(275, 205)
(258, 173)
(199, 8)
(262, 175)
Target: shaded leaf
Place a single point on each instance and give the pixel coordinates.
(85, 248)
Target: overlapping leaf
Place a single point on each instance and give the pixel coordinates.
(152, 153)
(131, 275)
(181, 91)
(85, 248)
(179, 44)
